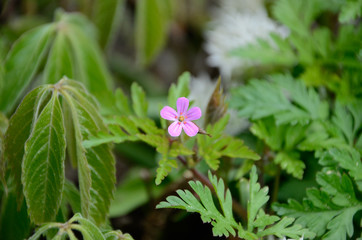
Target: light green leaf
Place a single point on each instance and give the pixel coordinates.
(181, 89)
(20, 126)
(223, 222)
(290, 161)
(59, 61)
(139, 101)
(122, 102)
(257, 198)
(43, 165)
(150, 30)
(26, 54)
(350, 10)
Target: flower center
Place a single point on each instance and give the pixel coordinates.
(181, 118)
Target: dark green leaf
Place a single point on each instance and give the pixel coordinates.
(182, 89)
(18, 132)
(139, 101)
(43, 166)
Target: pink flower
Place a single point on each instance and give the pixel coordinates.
(182, 118)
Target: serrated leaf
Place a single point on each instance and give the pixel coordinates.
(18, 132)
(258, 197)
(350, 10)
(181, 89)
(283, 228)
(139, 101)
(34, 45)
(263, 219)
(122, 102)
(349, 160)
(223, 223)
(342, 225)
(95, 165)
(43, 164)
(290, 161)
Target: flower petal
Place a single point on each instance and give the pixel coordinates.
(169, 113)
(175, 129)
(193, 114)
(182, 105)
(190, 128)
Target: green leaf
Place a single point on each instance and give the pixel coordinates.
(349, 160)
(87, 228)
(20, 126)
(90, 67)
(181, 89)
(290, 161)
(114, 235)
(96, 165)
(107, 18)
(350, 10)
(283, 228)
(122, 102)
(150, 31)
(43, 165)
(285, 98)
(216, 107)
(34, 45)
(257, 198)
(223, 222)
(59, 62)
(71, 195)
(139, 101)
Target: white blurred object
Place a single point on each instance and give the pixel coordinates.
(237, 23)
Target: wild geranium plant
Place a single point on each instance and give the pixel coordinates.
(74, 154)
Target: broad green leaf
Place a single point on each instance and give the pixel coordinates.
(43, 166)
(18, 132)
(139, 101)
(90, 67)
(59, 61)
(107, 18)
(181, 89)
(257, 198)
(96, 165)
(150, 31)
(26, 54)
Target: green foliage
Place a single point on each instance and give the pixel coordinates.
(139, 101)
(70, 48)
(350, 11)
(43, 163)
(212, 149)
(151, 26)
(80, 224)
(284, 98)
(223, 221)
(329, 211)
(38, 131)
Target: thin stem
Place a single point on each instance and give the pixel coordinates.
(202, 178)
(276, 186)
